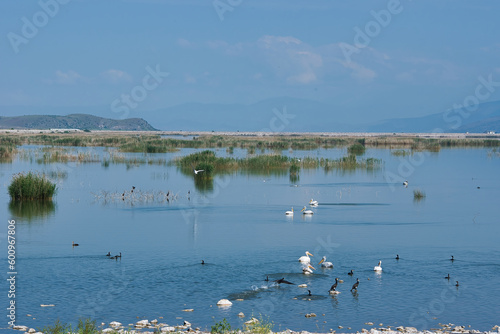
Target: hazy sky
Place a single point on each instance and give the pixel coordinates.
(373, 59)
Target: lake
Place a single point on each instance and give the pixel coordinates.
(237, 225)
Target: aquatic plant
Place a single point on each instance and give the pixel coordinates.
(401, 153)
(357, 149)
(31, 186)
(418, 194)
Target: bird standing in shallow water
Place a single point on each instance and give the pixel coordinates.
(333, 289)
(355, 285)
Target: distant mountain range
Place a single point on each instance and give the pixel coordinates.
(73, 121)
(284, 114)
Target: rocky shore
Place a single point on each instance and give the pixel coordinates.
(155, 327)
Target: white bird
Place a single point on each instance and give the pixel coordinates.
(198, 171)
(305, 259)
(289, 213)
(308, 270)
(313, 202)
(325, 264)
(378, 268)
(306, 212)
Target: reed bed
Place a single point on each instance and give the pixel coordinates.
(154, 143)
(31, 186)
(209, 162)
(136, 196)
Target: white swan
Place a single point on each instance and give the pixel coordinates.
(305, 258)
(289, 213)
(307, 212)
(378, 268)
(313, 202)
(325, 264)
(308, 270)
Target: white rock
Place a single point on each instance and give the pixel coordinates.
(108, 330)
(115, 324)
(252, 321)
(154, 321)
(20, 328)
(31, 330)
(224, 302)
(168, 329)
(142, 323)
(241, 315)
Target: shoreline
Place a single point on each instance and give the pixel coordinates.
(155, 327)
(427, 135)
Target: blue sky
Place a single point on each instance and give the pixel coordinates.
(412, 58)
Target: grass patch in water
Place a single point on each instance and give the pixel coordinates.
(31, 186)
(418, 194)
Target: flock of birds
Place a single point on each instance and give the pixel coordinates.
(307, 269)
(304, 211)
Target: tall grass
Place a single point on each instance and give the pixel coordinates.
(31, 186)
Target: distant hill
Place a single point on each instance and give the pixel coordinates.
(74, 121)
(280, 114)
(485, 117)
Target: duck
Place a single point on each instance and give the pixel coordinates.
(456, 284)
(397, 256)
(289, 213)
(447, 277)
(325, 264)
(378, 267)
(305, 258)
(351, 273)
(405, 183)
(109, 254)
(452, 258)
(202, 262)
(74, 245)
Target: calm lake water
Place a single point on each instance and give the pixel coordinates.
(239, 228)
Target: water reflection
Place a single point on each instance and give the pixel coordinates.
(29, 210)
